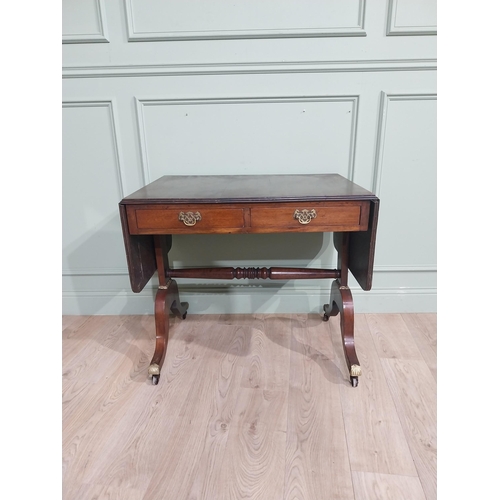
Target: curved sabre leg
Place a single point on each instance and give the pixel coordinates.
(341, 301)
(167, 299)
(161, 323)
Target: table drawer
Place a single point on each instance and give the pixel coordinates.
(338, 216)
(184, 219)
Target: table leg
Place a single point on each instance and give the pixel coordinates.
(341, 301)
(167, 299)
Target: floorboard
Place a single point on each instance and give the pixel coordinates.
(249, 407)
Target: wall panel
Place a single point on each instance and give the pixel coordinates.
(251, 136)
(410, 17)
(84, 21)
(197, 19)
(92, 188)
(185, 90)
(406, 181)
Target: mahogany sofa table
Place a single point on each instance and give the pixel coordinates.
(250, 204)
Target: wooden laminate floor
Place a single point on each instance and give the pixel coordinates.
(249, 407)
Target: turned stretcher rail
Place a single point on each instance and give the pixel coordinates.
(273, 273)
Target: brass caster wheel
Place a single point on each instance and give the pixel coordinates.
(354, 381)
(154, 373)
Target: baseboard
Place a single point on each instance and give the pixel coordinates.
(250, 299)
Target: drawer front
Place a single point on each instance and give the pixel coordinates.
(184, 219)
(338, 216)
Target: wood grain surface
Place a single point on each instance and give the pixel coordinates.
(249, 407)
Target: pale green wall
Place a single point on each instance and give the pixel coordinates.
(249, 88)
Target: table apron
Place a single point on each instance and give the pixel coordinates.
(339, 216)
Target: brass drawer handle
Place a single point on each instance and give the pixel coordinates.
(304, 216)
(190, 218)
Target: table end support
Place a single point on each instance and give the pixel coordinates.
(341, 302)
(167, 299)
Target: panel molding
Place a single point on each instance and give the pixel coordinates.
(137, 36)
(404, 269)
(91, 271)
(141, 103)
(394, 30)
(258, 68)
(100, 37)
(381, 129)
(110, 105)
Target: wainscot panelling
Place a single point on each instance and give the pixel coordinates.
(84, 21)
(275, 68)
(92, 188)
(180, 90)
(406, 180)
(181, 133)
(195, 20)
(411, 17)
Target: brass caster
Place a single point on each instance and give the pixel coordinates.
(355, 371)
(154, 369)
(154, 373)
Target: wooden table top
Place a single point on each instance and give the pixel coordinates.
(248, 188)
